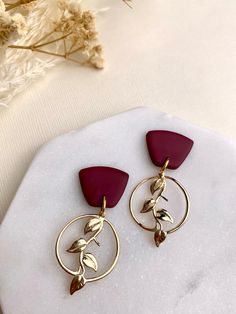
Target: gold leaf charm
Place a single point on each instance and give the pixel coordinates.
(93, 225)
(90, 261)
(159, 237)
(77, 283)
(164, 215)
(77, 246)
(157, 185)
(148, 205)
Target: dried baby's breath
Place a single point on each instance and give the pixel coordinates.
(2, 6)
(19, 23)
(11, 26)
(36, 34)
(74, 31)
(18, 3)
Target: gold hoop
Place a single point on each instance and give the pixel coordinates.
(77, 272)
(154, 229)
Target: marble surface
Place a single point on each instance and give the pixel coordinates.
(193, 272)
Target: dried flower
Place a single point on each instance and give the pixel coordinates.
(97, 62)
(19, 23)
(2, 7)
(74, 8)
(58, 28)
(11, 27)
(96, 58)
(8, 31)
(72, 35)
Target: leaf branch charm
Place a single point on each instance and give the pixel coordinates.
(157, 188)
(86, 259)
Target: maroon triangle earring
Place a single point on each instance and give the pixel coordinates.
(167, 150)
(102, 187)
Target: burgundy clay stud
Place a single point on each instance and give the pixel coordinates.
(102, 187)
(165, 144)
(167, 150)
(99, 181)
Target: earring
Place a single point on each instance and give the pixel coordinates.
(102, 187)
(167, 150)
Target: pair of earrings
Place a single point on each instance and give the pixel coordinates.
(104, 186)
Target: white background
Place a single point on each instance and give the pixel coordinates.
(175, 56)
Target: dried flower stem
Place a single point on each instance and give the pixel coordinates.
(35, 47)
(44, 37)
(50, 53)
(20, 47)
(65, 48)
(127, 3)
(10, 6)
(75, 50)
(52, 41)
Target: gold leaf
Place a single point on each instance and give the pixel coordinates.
(93, 225)
(77, 283)
(157, 185)
(159, 237)
(148, 205)
(77, 246)
(164, 215)
(90, 261)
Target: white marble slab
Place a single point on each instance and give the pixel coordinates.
(193, 272)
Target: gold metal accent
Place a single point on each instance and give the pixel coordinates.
(163, 168)
(157, 185)
(151, 204)
(103, 208)
(164, 215)
(90, 261)
(148, 205)
(159, 237)
(95, 224)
